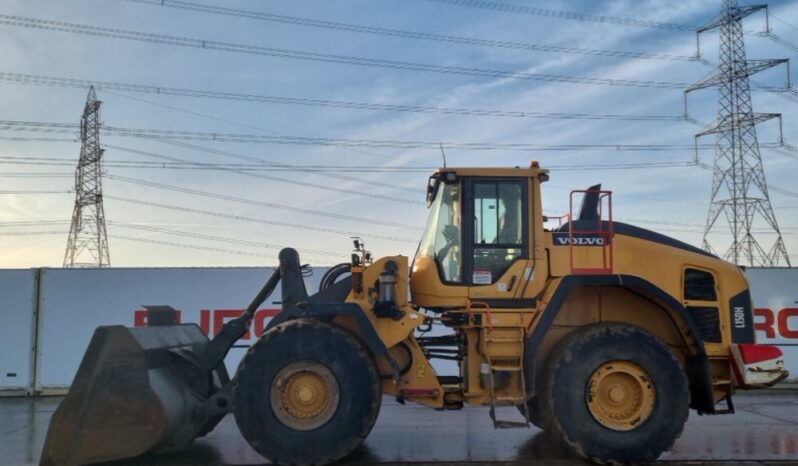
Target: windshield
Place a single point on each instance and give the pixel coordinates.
(441, 239)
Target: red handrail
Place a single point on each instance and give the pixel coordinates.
(603, 230)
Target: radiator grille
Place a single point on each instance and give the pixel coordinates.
(708, 322)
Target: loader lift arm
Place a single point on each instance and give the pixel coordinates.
(296, 304)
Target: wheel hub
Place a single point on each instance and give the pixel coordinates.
(620, 395)
(304, 395)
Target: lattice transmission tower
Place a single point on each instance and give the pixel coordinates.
(739, 203)
(88, 242)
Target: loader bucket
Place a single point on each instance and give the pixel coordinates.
(136, 390)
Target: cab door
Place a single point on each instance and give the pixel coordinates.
(496, 237)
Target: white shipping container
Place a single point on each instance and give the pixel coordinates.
(775, 295)
(75, 301)
(17, 311)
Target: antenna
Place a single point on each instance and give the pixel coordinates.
(443, 154)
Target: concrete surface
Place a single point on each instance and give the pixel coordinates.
(764, 431)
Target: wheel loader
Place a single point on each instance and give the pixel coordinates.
(602, 333)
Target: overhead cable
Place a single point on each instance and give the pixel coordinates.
(36, 191)
(16, 223)
(780, 40)
(234, 122)
(780, 20)
(33, 233)
(389, 32)
(242, 218)
(175, 165)
(36, 175)
(162, 134)
(270, 205)
(202, 44)
(569, 15)
(190, 234)
(54, 81)
(195, 247)
(371, 193)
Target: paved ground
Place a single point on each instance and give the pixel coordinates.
(764, 431)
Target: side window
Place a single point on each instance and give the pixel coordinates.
(499, 216)
(699, 289)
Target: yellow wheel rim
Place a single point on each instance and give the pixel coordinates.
(304, 395)
(620, 395)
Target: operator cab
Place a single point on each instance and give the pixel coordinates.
(477, 230)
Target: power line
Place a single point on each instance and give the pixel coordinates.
(238, 123)
(36, 139)
(28, 223)
(368, 193)
(782, 191)
(780, 40)
(770, 187)
(32, 233)
(161, 134)
(390, 143)
(47, 161)
(174, 165)
(263, 163)
(622, 166)
(389, 32)
(36, 175)
(106, 86)
(36, 191)
(348, 234)
(241, 242)
(783, 22)
(69, 127)
(271, 205)
(192, 246)
(161, 39)
(560, 14)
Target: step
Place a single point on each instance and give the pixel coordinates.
(506, 367)
(504, 339)
(510, 398)
(501, 424)
(450, 380)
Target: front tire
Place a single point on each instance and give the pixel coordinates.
(615, 393)
(306, 393)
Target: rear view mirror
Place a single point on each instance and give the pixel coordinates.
(432, 189)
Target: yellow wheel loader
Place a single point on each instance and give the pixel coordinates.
(600, 332)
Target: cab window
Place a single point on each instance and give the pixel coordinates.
(498, 228)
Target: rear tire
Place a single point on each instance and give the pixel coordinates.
(615, 394)
(306, 393)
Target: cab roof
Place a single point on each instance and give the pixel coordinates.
(522, 172)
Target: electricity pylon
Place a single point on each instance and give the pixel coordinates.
(88, 242)
(739, 202)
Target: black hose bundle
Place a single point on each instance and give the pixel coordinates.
(332, 275)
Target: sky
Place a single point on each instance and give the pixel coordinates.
(242, 215)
